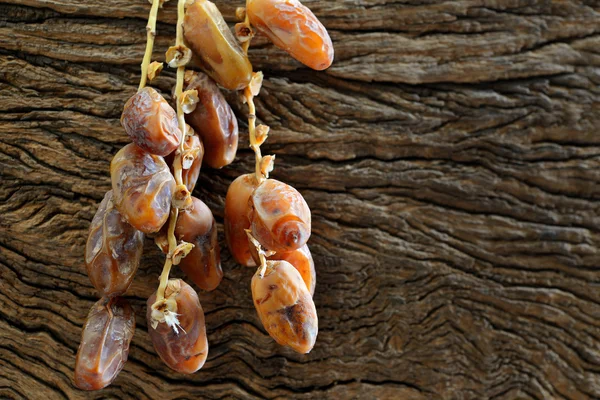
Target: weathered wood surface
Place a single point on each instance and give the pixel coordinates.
(451, 157)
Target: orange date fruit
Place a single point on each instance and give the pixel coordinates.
(279, 216)
(113, 250)
(142, 188)
(104, 345)
(214, 121)
(292, 27)
(186, 350)
(302, 260)
(209, 37)
(192, 145)
(236, 218)
(285, 307)
(203, 264)
(151, 122)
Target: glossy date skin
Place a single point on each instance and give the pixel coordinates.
(104, 343)
(185, 351)
(209, 37)
(113, 250)
(302, 260)
(236, 218)
(151, 122)
(203, 264)
(190, 175)
(292, 27)
(214, 121)
(285, 307)
(142, 188)
(279, 216)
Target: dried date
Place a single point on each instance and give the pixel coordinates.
(142, 186)
(279, 216)
(292, 27)
(285, 307)
(104, 345)
(203, 264)
(185, 348)
(214, 121)
(209, 37)
(151, 122)
(113, 250)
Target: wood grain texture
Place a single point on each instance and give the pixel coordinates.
(451, 157)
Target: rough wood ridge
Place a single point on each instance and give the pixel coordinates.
(451, 157)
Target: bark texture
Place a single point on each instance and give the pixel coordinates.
(451, 157)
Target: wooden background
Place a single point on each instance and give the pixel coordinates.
(451, 157)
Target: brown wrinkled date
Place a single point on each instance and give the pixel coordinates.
(279, 216)
(285, 306)
(113, 250)
(203, 264)
(104, 343)
(236, 218)
(142, 186)
(185, 348)
(151, 122)
(209, 37)
(192, 148)
(292, 27)
(214, 121)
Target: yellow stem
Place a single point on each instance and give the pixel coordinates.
(151, 34)
(177, 165)
(178, 90)
(252, 134)
(164, 276)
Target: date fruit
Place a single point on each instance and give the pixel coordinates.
(142, 188)
(104, 343)
(186, 350)
(203, 264)
(214, 121)
(279, 216)
(285, 307)
(236, 218)
(209, 37)
(302, 260)
(113, 250)
(292, 27)
(151, 122)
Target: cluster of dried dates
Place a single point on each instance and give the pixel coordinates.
(267, 222)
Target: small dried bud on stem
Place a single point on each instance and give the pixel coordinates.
(178, 56)
(154, 69)
(266, 165)
(262, 133)
(243, 32)
(189, 99)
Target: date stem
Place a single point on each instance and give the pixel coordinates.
(151, 34)
(254, 145)
(262, 255)
(177, 164)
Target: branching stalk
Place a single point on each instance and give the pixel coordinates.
(177, 164)
(151, 34)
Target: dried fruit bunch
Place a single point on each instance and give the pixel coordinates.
(152, 180)
(267, 222)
